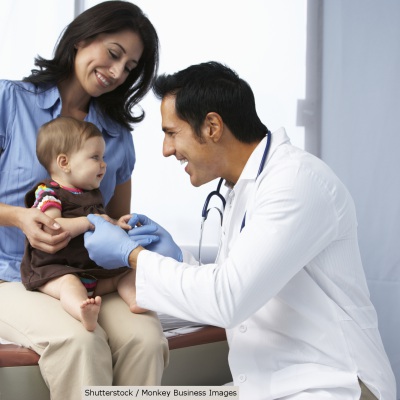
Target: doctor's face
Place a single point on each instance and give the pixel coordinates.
(199, 158)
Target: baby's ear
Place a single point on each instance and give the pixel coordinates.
(63, 162)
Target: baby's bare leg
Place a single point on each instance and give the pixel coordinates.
(125, 286)
(127, 290)
(74, 299)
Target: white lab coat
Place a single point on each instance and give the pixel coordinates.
(289, 288)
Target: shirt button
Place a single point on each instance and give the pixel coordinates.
(242, 378)
(242, 328)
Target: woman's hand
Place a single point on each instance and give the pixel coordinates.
(43, 232)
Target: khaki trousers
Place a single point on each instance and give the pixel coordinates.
(366, 394)
(125, 349)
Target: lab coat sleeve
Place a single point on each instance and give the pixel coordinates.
(291, 219)
(187, 257)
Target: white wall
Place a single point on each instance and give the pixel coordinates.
(361, 140)
(29, 28)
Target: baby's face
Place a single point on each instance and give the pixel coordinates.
(87, 165)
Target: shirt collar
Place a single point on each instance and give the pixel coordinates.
(106, 125)
(50, 99)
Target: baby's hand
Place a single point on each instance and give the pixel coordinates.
(107, 218)
(123, 222)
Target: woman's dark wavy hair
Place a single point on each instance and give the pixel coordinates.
(107, 17)
(213, 87)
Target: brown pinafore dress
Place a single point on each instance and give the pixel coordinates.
(38, 267)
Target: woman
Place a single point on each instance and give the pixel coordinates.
(103, 65)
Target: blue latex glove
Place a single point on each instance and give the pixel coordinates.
(164, 246)
(109, 246)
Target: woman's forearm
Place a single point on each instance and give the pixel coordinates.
(9, 215)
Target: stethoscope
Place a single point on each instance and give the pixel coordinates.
(217, 193)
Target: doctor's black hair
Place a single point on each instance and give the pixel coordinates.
(106, 17)
(213, 87)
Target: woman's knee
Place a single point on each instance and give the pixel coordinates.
(152, 341)
(89, 341)
(77, 339)
(146, 337)
(83, 358)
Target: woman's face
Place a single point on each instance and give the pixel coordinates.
(103, 64)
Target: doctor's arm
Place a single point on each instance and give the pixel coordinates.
(284, 231)
(291, 221)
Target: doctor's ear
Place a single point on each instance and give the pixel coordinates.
(63, 162)
(213, 126)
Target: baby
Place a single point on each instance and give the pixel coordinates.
(72, 152)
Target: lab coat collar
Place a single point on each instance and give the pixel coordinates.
(250, 170)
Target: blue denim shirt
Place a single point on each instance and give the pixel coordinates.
(23, 109)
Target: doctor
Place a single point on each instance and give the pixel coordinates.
(288, 284)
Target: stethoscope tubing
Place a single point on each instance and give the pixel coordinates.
(216, 192)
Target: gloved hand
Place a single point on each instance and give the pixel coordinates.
(164, 246)
(109, 246)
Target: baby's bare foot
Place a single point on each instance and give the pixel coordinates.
(90, 309)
